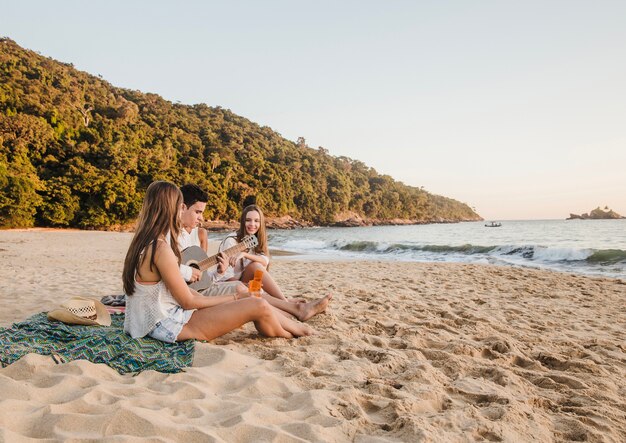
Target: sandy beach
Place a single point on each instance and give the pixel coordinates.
(406, 352)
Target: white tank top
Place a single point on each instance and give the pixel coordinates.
(146, 307)
(186, 239)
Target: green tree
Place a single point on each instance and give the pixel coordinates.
(19, 184)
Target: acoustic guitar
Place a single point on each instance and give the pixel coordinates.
(195, 257)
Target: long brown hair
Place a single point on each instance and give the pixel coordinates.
(261, 234)
(159, 215)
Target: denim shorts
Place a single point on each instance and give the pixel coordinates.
(168, 329)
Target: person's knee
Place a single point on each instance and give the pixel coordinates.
(255, 265)
(261, 307)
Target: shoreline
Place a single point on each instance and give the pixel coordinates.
(406, 351)
(284, 222)
(285, 254)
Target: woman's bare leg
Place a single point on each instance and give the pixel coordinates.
(302, 311)
(272, 293)
(296, 328)
(209, 323)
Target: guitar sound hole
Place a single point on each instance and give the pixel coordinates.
(195, 265)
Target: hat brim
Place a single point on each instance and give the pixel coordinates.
(103, 318)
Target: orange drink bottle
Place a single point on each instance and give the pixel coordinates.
(256, 284)
(258, 275)
(254, 288)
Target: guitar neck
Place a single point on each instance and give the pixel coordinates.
(212, 261)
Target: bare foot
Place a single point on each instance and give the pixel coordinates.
(308, 310)
(301, 330)
(281, 334)
(295, 327)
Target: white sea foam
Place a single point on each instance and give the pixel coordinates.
(561, 254)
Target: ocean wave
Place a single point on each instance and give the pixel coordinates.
(357, 246)
(385, 248)
(545, 254)
(608, 256)
(528, 252)
(542, 253)
(464, 249)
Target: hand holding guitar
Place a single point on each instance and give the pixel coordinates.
(222, 263)
(195, 275)
(233, 260)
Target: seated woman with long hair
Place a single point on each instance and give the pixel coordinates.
(159, 303)
(246, 263)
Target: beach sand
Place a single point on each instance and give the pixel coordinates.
(406, 352)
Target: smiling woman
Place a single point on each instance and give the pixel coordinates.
(252, 223)
(245, 264)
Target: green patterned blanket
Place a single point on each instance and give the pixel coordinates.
(98, 344)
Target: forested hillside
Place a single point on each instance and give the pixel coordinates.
(76, 151)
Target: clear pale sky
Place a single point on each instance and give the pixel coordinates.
(515, 108)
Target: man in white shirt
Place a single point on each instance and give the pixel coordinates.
(194, 204)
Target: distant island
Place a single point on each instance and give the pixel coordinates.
(596, 214)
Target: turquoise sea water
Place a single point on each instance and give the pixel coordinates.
(592, 247)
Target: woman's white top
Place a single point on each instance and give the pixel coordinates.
(241, 264)
(147, 306)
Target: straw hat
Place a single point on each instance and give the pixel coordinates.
(81, 311)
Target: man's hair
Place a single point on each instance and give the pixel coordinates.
(192, 194)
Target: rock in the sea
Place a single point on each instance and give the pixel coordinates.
(596, 214)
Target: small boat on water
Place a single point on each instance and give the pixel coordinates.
(493, 225)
